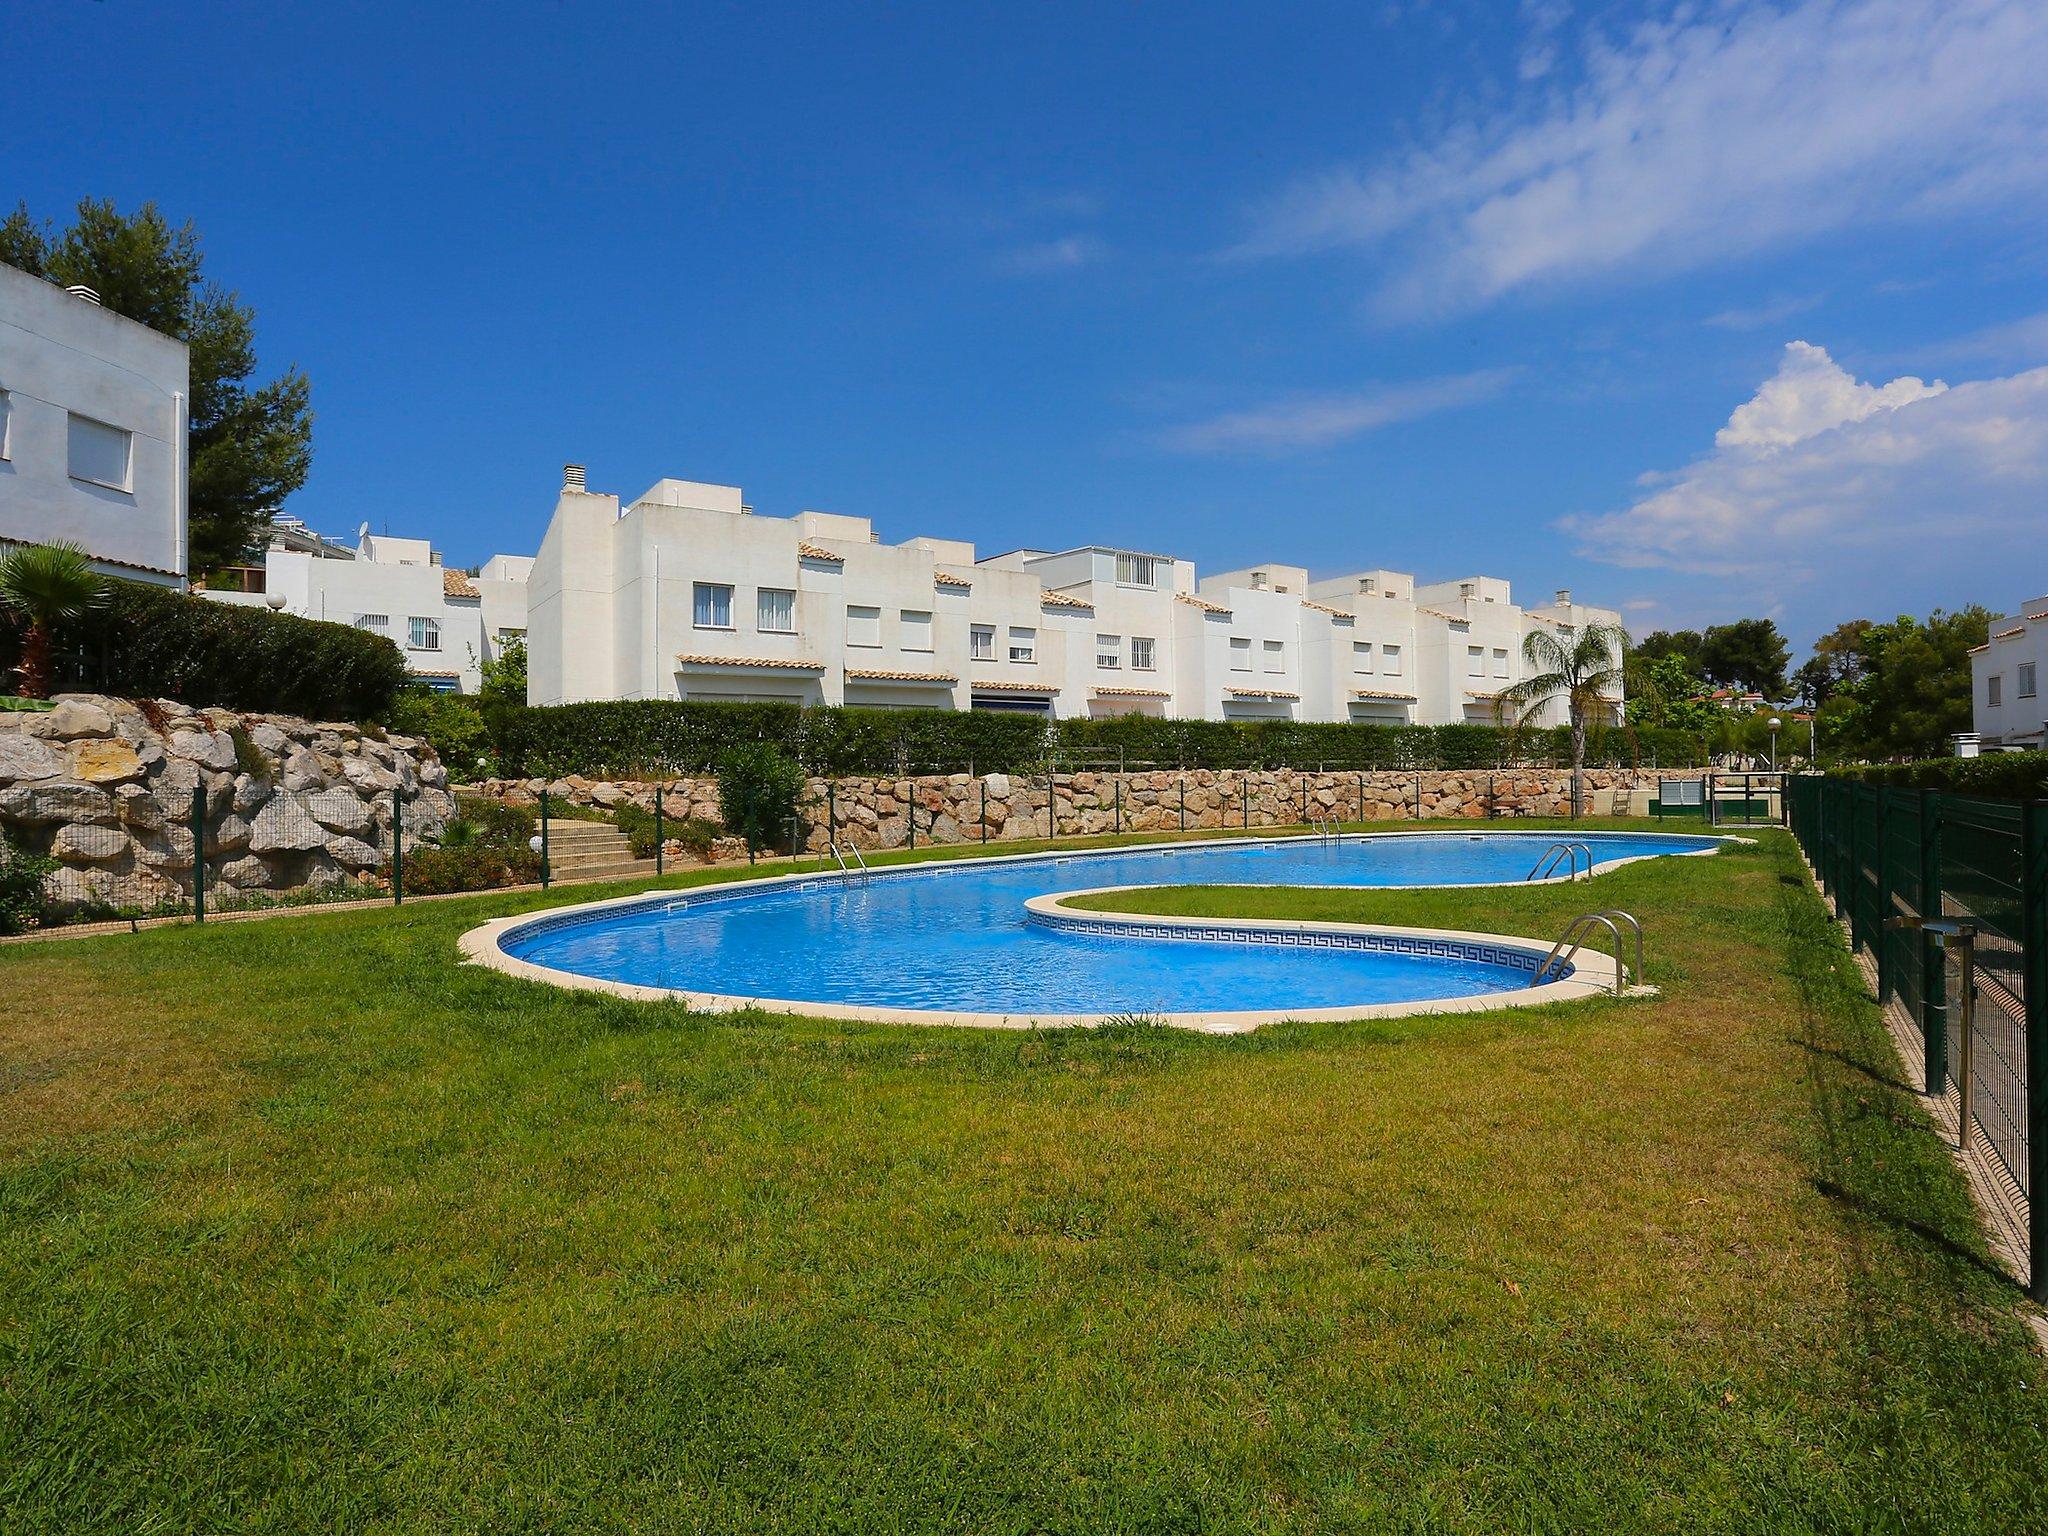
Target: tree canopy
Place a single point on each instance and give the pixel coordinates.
(250, 443)
(1903, 688)
(1749, 654)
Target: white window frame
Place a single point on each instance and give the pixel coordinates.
(706, 597)
(1023, 644)
(422, 633)
(1500, 661)
(762, 615)
(1475, 661)
(1391, 655)
(1240, 653)
(73, 421)
(1134, 570)
(981, 642)
(2024, 685)
(1275, 655)
(1144, 653)
(6, 411)
(862, 621)
(375, 623)
(1109, 653)
(1361, 657)
(1994, 691)
(916, 628)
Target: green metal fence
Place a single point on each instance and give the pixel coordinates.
(1883, 853)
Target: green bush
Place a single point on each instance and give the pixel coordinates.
(757, 794)
(451, 723)
(21, 886)
(2000, 776)
(498, 822)
(467, 866)
(154, 643)
(652, 738)
(693, 832)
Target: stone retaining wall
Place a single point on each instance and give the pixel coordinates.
(954, 808)
(107, 785)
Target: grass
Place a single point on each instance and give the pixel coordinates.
(304, 1226)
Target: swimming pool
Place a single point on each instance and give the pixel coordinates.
(956, 941)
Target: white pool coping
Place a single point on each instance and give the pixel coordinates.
(1593, 973)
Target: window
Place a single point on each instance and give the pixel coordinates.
(1500, 661)
(775, 611)
(1137, 571)
(2026, 680)
(509, 636)
(981, 642)
(1475, 661)
(1023, 644)
(1361, 656)
(1240, 654)
(3, 423)
(99, 453)
(1276, 656)
(863, 626)
(423, 634)
(376, 622)
(1144, 653)
(1391, 655)
(1994, 691)
(1109, 652)
(917, 629)
(711, 605)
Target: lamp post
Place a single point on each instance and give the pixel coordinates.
(1776, 726)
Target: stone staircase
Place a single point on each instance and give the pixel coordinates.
(591, 850)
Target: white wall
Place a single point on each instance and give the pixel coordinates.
(60, 356)
(2018, 641)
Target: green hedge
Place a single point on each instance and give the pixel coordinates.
(153, 643)
(653, 737)
(2002, 775)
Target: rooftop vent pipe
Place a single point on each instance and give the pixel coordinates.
(1564, 597)
(80, 291)
(572, 477)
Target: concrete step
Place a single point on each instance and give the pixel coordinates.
(617, 869)
(576, 858)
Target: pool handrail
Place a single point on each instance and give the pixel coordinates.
(1574, 938)
(1569, 851)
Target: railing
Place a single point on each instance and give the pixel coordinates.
(1573, 939)
(1570, 853)
(1898, 863)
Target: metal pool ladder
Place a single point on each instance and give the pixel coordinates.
(846, 870)
(1570, 853)
(1574, 937)
(1324, 828)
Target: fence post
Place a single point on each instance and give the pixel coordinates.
(2034, 958)
(398, 845)
(199, 850)
(1933, 963)
(658, 837)
(543, 837)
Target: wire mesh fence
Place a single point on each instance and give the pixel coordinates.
(1894, 859)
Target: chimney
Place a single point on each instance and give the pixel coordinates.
(1564, 597)
(80, 291)
(572, 477)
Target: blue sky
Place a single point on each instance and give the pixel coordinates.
(1443, 287)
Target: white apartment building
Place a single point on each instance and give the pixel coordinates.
(93, 415)
(447, 622)
(2005, 681)
(684, 593)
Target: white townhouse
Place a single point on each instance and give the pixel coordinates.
(447, 622)
(684, 593)
(93, 414)
(2005, 681)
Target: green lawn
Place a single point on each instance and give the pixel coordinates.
(305, 1227)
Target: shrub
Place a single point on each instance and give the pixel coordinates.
(498, 822)
(693, 832)
(21, 886)
(2000, 776)
(757, 793)
(450, 723)
(467, 866)
(151, 642)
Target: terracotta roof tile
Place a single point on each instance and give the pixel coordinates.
(1975, 649)
(754, 663)
(1262, 693)
(2008, 634)
(1335, 613)
(1061, 600)
(1374, 693)
(809, 551)
(1200, 602)
(457, 584)
(423, 672)
(946, 579)
(882, 675)
(1006, 686)
(1110, 691)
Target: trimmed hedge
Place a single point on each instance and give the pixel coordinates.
(2000, 776)
(652, 737)
(153, 643)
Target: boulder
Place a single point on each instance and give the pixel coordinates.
(76, 844)
(244, 874)
(138, 808)
(168, 850)
(250, 793)
(367, 776)
(339, 810)
(27, 757)
(270, 740)
(74, 716)
(227, 834)
(283, 826)
(302, 771)
(209, 749)
(58, 801)
(354, 853)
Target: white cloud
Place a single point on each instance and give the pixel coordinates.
(1316, 421)
(2021, 340)
(1811, 393)
(1061, 255)
(1872, 488)
(1761, 315)
(1719, 133)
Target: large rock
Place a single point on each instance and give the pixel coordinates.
(41, 803)
(167, 850)
(27, 757)
(354, 853)
(138, 808)
(244, 874)
(284, 826)
(227, 834)
(105, 761)
(339, 810)
(250, 793)
(209, 749)
(79, 844)
(367, 776)
(302, 771)
(71, 719)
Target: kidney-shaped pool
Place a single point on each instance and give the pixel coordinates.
(954, 940)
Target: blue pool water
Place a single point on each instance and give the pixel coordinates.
(955, 937)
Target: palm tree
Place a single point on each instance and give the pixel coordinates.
(48, 585)
(1583, 668)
